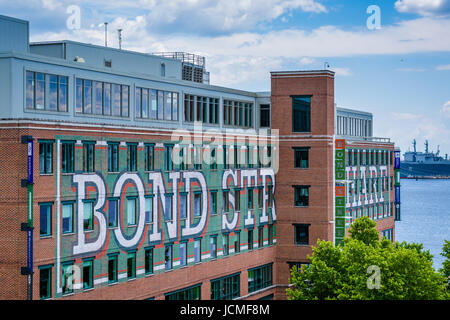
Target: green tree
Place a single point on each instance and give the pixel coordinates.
(366, 268)
(445, 270)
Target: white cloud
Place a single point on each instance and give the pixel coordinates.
(445, 110)
(411, 69)
(443, 67)
(344, 72)
(423, 7)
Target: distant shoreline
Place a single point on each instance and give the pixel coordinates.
(425, 177)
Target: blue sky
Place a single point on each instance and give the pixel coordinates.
(400, 72)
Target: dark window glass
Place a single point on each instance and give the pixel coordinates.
(301, 114)
(46, 157)
(45, 220)
(45, 283)
(265, 115)
(112, 269)
(89, 157)
(149, 157)
(301, 234)
(131, 265)
(226, 288)
(301, 158)
(67, 218)
(148, 261)
(259, 278)
(301, 196)
(88, 271)
(113, 157)
(132, 157)
(112, 213)
(68, 158)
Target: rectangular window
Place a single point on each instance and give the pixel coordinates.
(125, 101)
(250, 199)
(112, 268)
(213, 202)
(46, 92)
(113, 157)
(183, 253)
(301, 234)
(259, 278)
(45, 211)
(45, 283)
(213, 246)
(168, 257)
(197, 250)
(30, 90)
(250, 239)
(226, 201)
(112, 213)
(148, 261)
(237, 242)
(270, 234)
(167, 105)
(149, 157)
(45, 157)
(160, 105)
(131, 265)
(183, 205)
(68, 157)
(132, 157)
(260, 237)
(107, 99)
(175, 106)
(197, 204)
(192, 293)
(148, 209)
(265, 116)
(67, 218)
(131, 211)
(168, 214)
(40, 91)
(301, 158)
(226, 244)
(88, 215)
(226, 288)
(67, 278)
(138, 102)
(98, 96)
(89, 157)
(88, 274)
(301, 196)
(260, 197)
(301, 114)
(168, 163)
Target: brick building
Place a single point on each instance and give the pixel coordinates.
(128, 176)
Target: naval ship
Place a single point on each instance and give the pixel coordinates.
(424, 164)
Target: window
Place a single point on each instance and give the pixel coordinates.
(67, 278)
(301, 234)
(250, 239)
(237, 242)
(237, 113)
(260, 197)
(131, 211)
(45, 220)
(112, 268)
(113, 157)
(260, 237)
(301, 114)
(265, 116)
(131, 265)
(168, 214)
(226, 288)
(213, 246)
(67, 218)
(226, 201)
(168, 158)
(237, 200)
(168, 257)
(259, 278)
(112, 213)
(101, 98)
(89, 156)
(45, 282)
(270, 234)
(183, 204)
(213, 202)
(149, 157)
(301, 158)
(148, 261)
(67, 158)
(250, 198)
(301, 196)
(45, 157)
(183, 253)
(46, 92)
(148, 209)
(226, 244)
(88, 215)
(192, 293)
(88, 271)
(197, 250)
(132, 157)
(163, 69)
(197, 204)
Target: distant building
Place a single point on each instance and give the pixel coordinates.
(128, 176)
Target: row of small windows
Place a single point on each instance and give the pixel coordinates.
(102, 98)
(374, 212)
(46, 92)
(379, 184)
(188, 157)
(369, 157)
(156, 104)
(224, 288)
(350, 126)
(50, 92)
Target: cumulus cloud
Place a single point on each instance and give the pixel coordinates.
(424, 7)
(445, 110)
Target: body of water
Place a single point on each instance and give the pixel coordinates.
(425, 215)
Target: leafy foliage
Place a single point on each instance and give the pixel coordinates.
(342, 272)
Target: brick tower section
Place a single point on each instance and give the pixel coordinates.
(319, 85)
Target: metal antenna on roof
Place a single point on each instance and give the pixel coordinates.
(120, 38)
(106, 34)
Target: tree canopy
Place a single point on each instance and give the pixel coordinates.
(367, 268)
